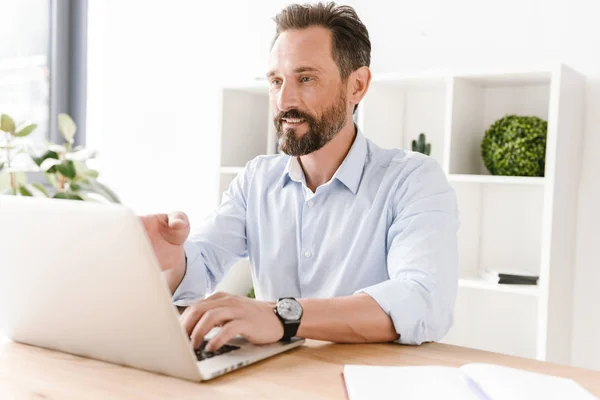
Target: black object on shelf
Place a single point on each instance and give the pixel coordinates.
(508, 277)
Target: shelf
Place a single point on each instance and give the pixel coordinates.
(474, 282)
(497, 179)
(231, 170)
(396, 110)
(244, 110)
(479, 101)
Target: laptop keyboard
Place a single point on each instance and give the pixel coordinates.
(202, 354)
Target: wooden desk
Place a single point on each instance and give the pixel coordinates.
(310, 372)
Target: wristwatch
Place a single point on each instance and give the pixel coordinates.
(289, 312)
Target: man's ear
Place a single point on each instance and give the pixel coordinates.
(359, 82)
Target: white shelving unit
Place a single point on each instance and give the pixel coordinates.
(247, 131)
(511, 180)
(506, 221)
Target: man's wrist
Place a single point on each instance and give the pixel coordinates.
(270, 308)
(183, 268)
(176, 274)
(289, 312)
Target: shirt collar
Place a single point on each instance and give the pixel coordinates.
(349, 173)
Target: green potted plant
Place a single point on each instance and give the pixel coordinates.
(64, 166)
(515, 145)
(13, 179)
(420, 145)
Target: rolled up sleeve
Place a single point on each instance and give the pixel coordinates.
(219, 242)
(422, 257)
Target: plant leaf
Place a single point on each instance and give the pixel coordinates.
(3, 181)
(52, 179)
(92, 173)
(20, 178)
(24, 192)
(26, 130)
(79, 179)
(48, 164)
(41, 188)
(45, 156)
(74, 187)
(67, 196)
(67, 169)
(7, 124)
(67, 127)
(103, 190)
(83, 172)
(93, 197)
(81, 155)
(1, 166)
(57, 148)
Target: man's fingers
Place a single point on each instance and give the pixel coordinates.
(192, 314)
(227, 332)
(178, 220)
(217, 295)
(174, 227)
(211, 319)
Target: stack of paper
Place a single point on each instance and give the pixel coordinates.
(471, 381)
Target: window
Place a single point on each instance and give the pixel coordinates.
(24, 63)
(42, 64)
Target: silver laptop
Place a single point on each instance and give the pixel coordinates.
(82, 278)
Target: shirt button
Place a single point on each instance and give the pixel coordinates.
(307, 254)
(310, 203)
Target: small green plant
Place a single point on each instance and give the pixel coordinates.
(13, 180)
(515, 145)
(64, 166)
(420, 145)
(251, 294)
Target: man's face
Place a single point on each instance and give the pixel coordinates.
(306, 91)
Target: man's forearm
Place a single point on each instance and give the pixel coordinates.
(351, 319)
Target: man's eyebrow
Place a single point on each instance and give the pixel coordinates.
(298, 70)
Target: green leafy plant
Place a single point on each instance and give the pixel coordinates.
(420, 145)
(64, 166)
(13, 180)
(515, 145)
(251, 294)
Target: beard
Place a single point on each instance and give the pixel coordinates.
(320, 130)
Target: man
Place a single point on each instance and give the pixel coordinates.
(361, 240)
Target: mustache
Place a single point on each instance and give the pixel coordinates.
(293, 113)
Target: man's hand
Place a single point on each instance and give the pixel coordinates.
(253, 319)
(168, 233)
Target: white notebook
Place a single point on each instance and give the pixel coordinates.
(469, 382)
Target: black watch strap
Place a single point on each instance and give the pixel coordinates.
(290, 328)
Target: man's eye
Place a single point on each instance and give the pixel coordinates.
(275, 82)
(305, 79)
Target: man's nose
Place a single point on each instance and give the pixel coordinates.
(287, 98)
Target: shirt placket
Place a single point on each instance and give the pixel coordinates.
(308, 251)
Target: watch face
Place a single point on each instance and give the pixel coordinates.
(289, 309)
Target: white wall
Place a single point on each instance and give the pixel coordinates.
(169, 81)
(154, 73)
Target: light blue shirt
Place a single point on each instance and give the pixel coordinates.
(385, 224)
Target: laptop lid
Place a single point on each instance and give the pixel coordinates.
(82, 278)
